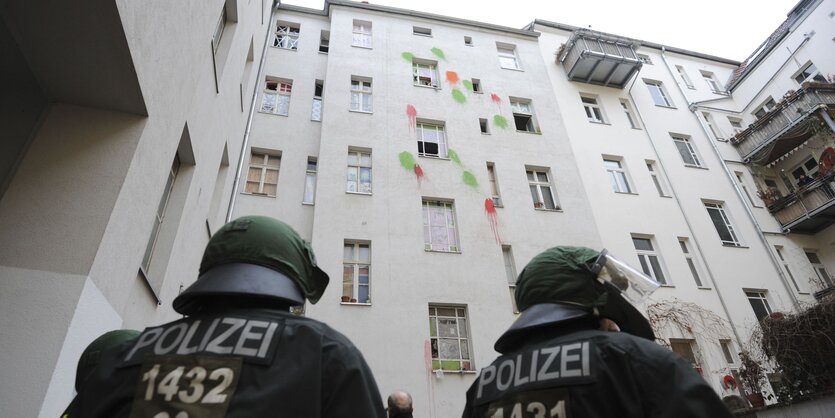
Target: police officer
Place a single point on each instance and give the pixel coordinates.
(560, 358)
(239, 352)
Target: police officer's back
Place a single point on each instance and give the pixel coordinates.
(557, 362)
(239, 353)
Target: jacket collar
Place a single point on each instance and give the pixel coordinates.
(538, 316)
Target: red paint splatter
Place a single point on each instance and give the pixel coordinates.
(495, 98)
(452, 77)
(493, 218)
(412, 113)
(419, 173)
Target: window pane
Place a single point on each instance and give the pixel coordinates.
(695, 273)
(549, 199)
(656, 268)
(348, 252)
(719, 224)
(760, 310)
(684, 151)
(365, 254)
(642, 244)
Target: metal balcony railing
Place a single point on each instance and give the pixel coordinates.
(597, 58)
(808, 209)
(754, 143)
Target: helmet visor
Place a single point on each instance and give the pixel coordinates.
(634, 286)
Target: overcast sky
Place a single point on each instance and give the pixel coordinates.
(725, 28)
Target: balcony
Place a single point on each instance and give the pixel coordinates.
(790, 124)
(808, 210)
(597, 58)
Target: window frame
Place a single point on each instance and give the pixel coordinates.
(317, 104)
(692, 348)
(736, 124)
(421, 67)
(462, 336)
(507, 55)
(159, 217)
(524, 108)
(593, 109)
(453, 243)
(493, 184)
(814, 75)
(656, 178)
(442, 144)
(631, 116)
(536, 184)
(711, 124)
(719, 208)
(616, 172)
(710, 78)
(285, 34)
(281, 96)
(779, 250)
(324, 41)
(646, 257)
(819, 268)
(360, 38)
(686, 142)
(760, 295)
(511, 274)
(310, 186)
(356, 263)
(421, 31)
(360, 156)
(644, 58)
(692, 262)
(362, 88)
(682, 73)
(264, 167)
(767, 106)
(658, 92)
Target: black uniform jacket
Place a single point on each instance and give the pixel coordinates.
(568, 370)
(242, 363)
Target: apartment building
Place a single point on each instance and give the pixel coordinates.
(426, 157)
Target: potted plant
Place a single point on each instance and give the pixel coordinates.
(751, 378)
(346, 299)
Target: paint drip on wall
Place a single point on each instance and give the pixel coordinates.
(408, 56)
(439, 53)
(452, 77)
(493, 218)
(469, 179)
(453, 156)
(419, 173)
(458, 96)
(500, 121)
(411, 112)
(407, 161)
(496, 99)
(468, 85)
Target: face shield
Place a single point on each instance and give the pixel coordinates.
(633, 285)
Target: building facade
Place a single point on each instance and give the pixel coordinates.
(426, 157)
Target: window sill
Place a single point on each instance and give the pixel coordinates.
(361, 46)
(358, 193)
(637, 129)
(665, 106)
(667, 285)
(629, 193)
(478, 92)
(307, 203)
(703, 288)
(434, 157)
(529, 132)
(361, 111)
(455, 371)
(691, 87)
(427, 87)
(440, 251)
(803, 293)
(422, 34)
(258, 194)
(721, 140)
(355, 303)
(734, 246)
(485, 133)
(271, 113)
(599, 122)
(323, 53)
(548, 210)
(286, 49)
(695, 166)
(666, 197)
(513, 69)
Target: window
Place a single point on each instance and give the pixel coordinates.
(361, 34)
(766, 107)
(287, 36)
(218, 33)
(649, 259)
(494, 185)
(593, 111)
(540, 186)
(439, 227)
(823, 275)
(277, 97)
(356, 272)
(417, 30)
(468, 41)
(477, 86)
(656, 179)
(361, 100)
(684, 348)
(711, 81)
(450, 338)
(645, 59)
(712, 126)
(316, 108)
(736, 124)
(482, 124)
(659, 95)
(809, 168)
(160, 214)
(809, 72)
(359, 171)
(728, 351)
(684, 77)
(510, 272)
(523, 115)
(310, 182)
(691, 261)
(630, 115)
(262, 178)
(759, 303)
(779, 250)
(726, 231)
(425, 73)
(324, 41)
(617, 175)
(431, 140)
(741, 180)
(507, 56)
(686, 150)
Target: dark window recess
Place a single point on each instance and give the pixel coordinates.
(428, 148)
(483, 125)
(318, 90)
(523, 122)
(476, 85)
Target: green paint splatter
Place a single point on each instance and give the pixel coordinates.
(500, 121)
(453, 156)
(468, 84)
(407, 160)
(469, 179)
(408, 56)
(438, 53)
(458, 96)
